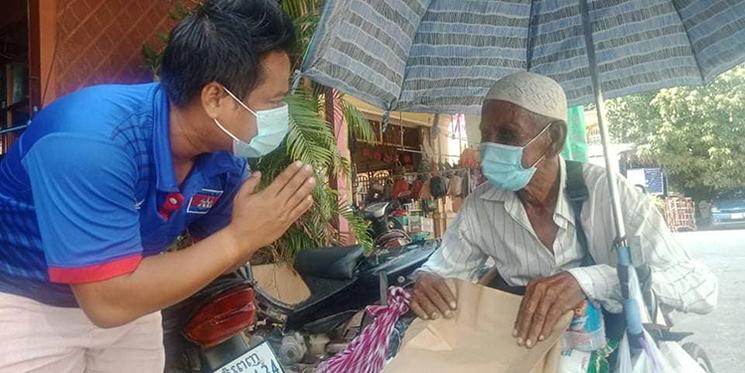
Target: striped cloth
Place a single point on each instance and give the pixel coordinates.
(443, 55)
(366, 354)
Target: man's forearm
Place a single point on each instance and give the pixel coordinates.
(600, 283)
(159, 281)
(238, 264)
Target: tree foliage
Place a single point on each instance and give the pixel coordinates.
(695, 133)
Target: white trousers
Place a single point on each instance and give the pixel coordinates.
(35, 337)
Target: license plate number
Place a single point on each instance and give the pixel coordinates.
(737, 216)
(260, 359)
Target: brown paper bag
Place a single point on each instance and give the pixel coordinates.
(478, 339)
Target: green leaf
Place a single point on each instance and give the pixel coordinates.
(310, 139)
(162, 36)
(358, 226)
(358, 124)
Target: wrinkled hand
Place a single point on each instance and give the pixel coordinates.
(432, 297)
(260, 218)
(545, 301)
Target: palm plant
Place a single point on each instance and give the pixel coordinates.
(310, 140)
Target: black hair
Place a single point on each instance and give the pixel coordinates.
(223, 41)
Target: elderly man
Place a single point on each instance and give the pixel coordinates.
(523, 219)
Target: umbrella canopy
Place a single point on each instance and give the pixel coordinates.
(443, 55)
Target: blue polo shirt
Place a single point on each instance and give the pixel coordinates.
(89, 189)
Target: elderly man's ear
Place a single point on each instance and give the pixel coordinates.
(558, 132)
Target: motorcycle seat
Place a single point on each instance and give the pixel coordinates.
(337, 263)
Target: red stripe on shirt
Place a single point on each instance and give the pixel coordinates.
(94, 272)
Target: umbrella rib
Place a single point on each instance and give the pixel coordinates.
(690, 43)
(530, 43)
(395, 103)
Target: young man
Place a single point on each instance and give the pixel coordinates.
(105, 179)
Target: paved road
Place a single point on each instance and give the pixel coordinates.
(721, 333)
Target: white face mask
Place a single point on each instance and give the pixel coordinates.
(502, 164)
(271, 128)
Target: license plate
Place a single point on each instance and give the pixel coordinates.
(260, 359)
(739, 215)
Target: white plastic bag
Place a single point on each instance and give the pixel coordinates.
(650, 360)
(574, 361)
(669, 357)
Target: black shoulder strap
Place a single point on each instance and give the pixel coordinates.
(575, 189)
(577, 193)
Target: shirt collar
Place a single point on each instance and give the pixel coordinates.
(492, 193)
(166, 176)
(563, 209)
(213, 164)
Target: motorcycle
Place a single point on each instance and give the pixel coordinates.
(234, 325)
(385, 231)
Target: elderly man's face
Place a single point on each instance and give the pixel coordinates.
(506, 123)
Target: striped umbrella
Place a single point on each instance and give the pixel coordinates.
(442, 56)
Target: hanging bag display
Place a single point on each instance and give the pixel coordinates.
(416, 188)
(455, 187)
(437, 187)
(426, 192)
(399, 187)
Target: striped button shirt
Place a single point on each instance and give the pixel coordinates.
(494, 224)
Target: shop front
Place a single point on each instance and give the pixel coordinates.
(14, 71)
(412, 165)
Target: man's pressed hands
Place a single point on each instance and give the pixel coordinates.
(262, 217)
(545, 301)
(432, 297)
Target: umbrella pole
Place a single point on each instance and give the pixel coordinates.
(625, 269)
(604, 136)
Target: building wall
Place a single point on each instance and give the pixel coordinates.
(14, 11)
(100, 41)
(374, 113)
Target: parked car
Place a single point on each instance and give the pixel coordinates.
(728, 209)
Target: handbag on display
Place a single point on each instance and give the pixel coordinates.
(426, 192)
(438, 188)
